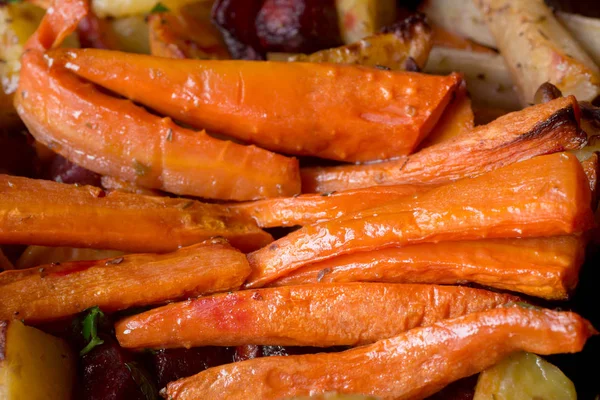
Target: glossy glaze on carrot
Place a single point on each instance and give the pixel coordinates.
(412, 365)
(536, 130)
(112, 136)
(335, 111)
(311, 208)
(309, 315)
(56, 214)
(541, 267)
(50, 292)
(541, 197)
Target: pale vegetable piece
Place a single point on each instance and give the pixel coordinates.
(524, 376)
(34, 365)
(17, 22)
(488, 79)
(126, 8)
(131, 34)
(360, 18)
(538, 49)
(585, 30)
(41, 255)
(405, 46)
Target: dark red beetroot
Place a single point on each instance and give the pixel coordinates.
(63, 170)
(105, 374)
(173, 364)
(298, 26)
(463, 389)
(235, 19)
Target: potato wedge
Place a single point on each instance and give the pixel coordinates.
(131, 34)
(524, 376)
(34, 365)
(405, 46)
(538, 49)
(360, 18)
(488, 79)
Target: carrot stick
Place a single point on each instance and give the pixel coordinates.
(114, 137)
(541, 197)
(458, 119)
(308, 315)
(541, 267)
(54, 291)
(54, 214)
(310, 208)
(517, 136)
(412, 365)
(335, 111)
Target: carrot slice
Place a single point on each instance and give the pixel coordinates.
(458, 119)
(54, 214)
(541, 197)
(310, 208)
(114, 137)
(309, 315)
(542, 267)
(54, 291)
(341, 112)
(412, 365)
(537, 130)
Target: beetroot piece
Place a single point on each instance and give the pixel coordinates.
(173, 364)
(298, 26)
(63, 170)
(235, 19)
(106, 374)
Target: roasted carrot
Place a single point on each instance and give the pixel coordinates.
(310, 208)
(336, 111)
(56, 214)
(412, 365)
(541, 267)
(53, 291)
(309, 315)
(187, 33)
(541, 197)
(114, 137)
(111, 183)
(541, 129)
(458, 119)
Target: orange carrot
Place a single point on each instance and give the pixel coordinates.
(412, 365)
(310, 208)
(114, 137)
(308, 315)
(336, 111)
(111, 183)
(541, 197)
(56, 214)
(187, 33)
(541, 129)
(458, 119)
(53, 291)
(542, 267)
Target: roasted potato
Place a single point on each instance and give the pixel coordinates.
(361, 18)
(131, 34)
(524, 376)
(404, 46)
(34, 365)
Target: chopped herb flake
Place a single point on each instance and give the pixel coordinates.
(140, 377)
(90, 329)
(140, 169)
(159, 8)
(169, 135)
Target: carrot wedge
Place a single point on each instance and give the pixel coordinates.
(310, 208)
(541, 197)
(308, 315)
(114, 137)
(55, 214)
(335, 111)
(537, 130)
(541, 267)
(53, 291)
(412, 365)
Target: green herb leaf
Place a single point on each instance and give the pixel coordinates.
(89, 329)
(140, 169)
(142, 380)
(522, 304)
(159, 8)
